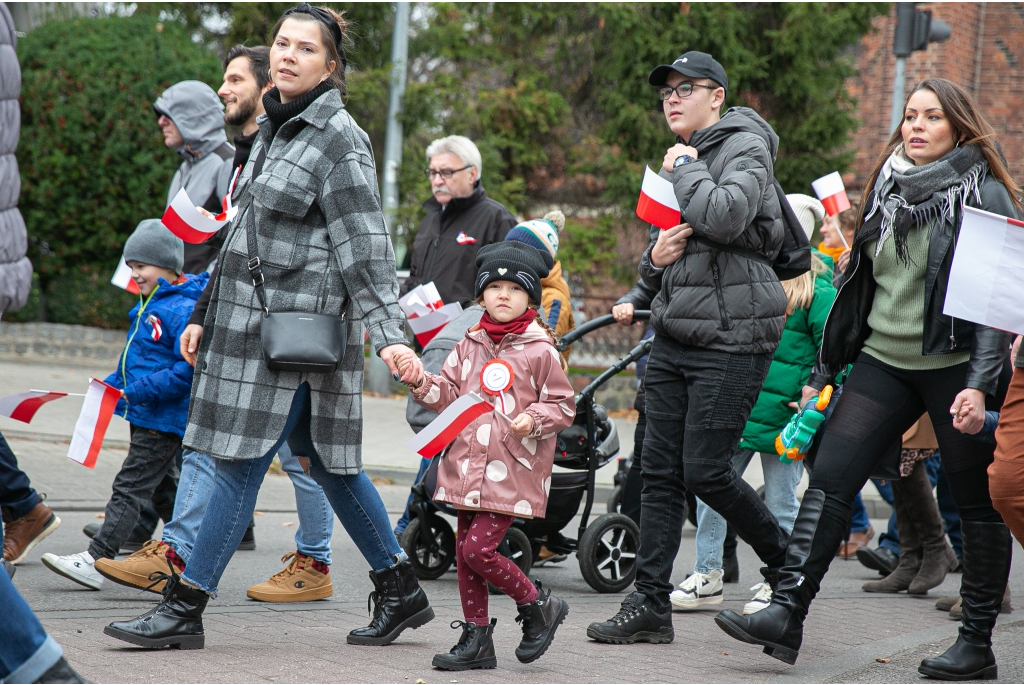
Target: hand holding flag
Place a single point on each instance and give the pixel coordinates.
(447, 426)
(658, 204)
(832, 192)
(194, 224)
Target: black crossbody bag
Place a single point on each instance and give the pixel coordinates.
(303, 342)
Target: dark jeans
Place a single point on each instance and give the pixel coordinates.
(634, 485)
(879, 403)
(690, 444)
(152, 459)
(17, 497)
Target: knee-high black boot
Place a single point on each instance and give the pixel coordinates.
(177, 621)
(818, 529)
(986, 569)
(399, 603)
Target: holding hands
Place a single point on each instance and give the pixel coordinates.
(404, 364)
(968, 411)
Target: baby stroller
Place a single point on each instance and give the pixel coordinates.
(605, 547)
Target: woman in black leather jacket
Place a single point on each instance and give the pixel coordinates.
(908, 357)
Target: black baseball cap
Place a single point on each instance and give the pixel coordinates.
(693, 64)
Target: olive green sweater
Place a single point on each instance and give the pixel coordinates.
(897, 311)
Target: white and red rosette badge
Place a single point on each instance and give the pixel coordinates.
(496, 379)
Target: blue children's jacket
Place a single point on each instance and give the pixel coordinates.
(155, 377)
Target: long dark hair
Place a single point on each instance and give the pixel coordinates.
(337, 77)
(967, 122)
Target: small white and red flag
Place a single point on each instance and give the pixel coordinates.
(122, 278)
(463, 239)
(832, 192)
(658, 204)
(24, 405)
(97, 410)
(427, 326)
(186, 221)
(452, 421)
(157, 325)
(421, 300)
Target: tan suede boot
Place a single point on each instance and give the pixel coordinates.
(300, 581)
(136, 570)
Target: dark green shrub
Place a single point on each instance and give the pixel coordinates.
(92, 160)
(83, 295)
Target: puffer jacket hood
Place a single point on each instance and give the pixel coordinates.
(736, 120)
(722, 293)
(198, 113)
(156, 379)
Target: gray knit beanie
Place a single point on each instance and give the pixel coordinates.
(152, 243)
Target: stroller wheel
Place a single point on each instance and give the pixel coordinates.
(607, 553)
(516, 546)
(433, 552)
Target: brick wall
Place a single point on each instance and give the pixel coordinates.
(985, 54)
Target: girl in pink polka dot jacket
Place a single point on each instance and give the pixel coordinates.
(499, 467)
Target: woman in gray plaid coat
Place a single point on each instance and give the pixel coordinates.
(324, 248)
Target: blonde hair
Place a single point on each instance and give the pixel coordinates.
(800, 290)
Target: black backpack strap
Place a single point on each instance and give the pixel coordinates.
(225, 151)
(732, 249)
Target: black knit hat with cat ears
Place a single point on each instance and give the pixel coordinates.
(513, 261)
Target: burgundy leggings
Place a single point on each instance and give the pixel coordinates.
(478, 561)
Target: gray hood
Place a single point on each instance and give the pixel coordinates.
(198, 113)
(736, 120)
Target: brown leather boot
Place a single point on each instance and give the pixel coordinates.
(910, 548)
(937, 557)
(22, 534)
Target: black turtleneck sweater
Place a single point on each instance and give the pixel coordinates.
(243, 146)
(279, 113)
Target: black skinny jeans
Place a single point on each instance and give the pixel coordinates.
(879, 403)
(698, 401)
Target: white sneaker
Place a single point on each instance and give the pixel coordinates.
(760, 601)
(80, 568)
(699, 590)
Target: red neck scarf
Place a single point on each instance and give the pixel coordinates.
(496, 331)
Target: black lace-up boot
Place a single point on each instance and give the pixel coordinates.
(177, 621)
(779, 628)
(540, 619)
(475, 649)
(639, 620)
(398, 603)
(987, 548)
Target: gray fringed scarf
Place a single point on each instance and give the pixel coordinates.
(925, 194)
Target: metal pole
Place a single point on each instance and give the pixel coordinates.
(379, 377)
(898, 85)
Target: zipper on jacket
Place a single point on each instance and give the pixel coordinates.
(124, 355)
(718, 292)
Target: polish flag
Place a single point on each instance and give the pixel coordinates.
(832, 192)
(427, 326)
(186, 221)
(446, 427)
(23, 406)
(97, 410)
(658, 204)
(122, 278)
(421, 300)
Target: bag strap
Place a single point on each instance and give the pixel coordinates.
(255, 266)
(733, 249)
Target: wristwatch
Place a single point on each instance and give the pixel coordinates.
(681, 160)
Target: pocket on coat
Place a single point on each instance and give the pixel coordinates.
(285, 187)
(523, 450)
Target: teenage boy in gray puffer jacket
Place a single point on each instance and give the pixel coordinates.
(717, 317)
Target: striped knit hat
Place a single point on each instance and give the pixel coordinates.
(539, 233)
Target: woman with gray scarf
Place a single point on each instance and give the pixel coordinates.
(908, 358)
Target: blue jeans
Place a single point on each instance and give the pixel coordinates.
(404, 521)
(354, 498)
(780, 481)
(195, 488)
(26, 651)
(890, 539)
(859, 522)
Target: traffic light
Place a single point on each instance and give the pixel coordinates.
(915, 29)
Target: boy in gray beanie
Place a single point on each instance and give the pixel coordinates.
(155, 383)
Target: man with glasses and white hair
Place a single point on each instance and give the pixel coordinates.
(460, 220)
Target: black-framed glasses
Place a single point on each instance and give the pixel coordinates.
(446, 174)
(682, 90)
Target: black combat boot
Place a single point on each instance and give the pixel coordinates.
(540, 619)
(177, 621)
(819, 528)
(638, 620)
(475, 649)
(987, 549)
(398, 603)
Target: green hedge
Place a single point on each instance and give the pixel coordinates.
(92, 159)
(81, 295)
